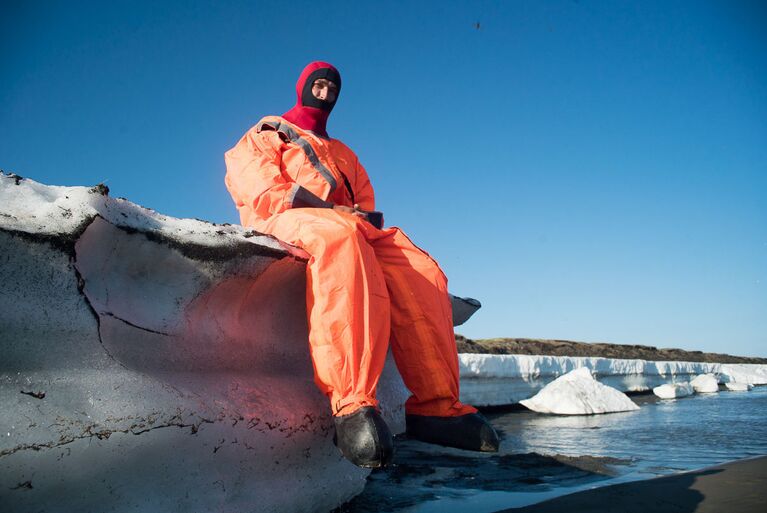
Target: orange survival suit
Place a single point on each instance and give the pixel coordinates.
(365, 286)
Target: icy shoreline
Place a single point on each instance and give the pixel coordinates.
(494, 380)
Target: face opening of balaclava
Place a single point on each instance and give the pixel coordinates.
(311, 113)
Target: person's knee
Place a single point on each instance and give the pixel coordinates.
(333, 232)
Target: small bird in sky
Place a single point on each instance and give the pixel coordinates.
(476, 25)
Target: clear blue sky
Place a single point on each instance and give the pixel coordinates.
(589, 170)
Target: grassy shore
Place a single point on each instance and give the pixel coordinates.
(535, 346)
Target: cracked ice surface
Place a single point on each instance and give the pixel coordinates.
(492, 379)
(153, 363)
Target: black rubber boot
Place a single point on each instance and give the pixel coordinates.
(364, 438)
(472, 432)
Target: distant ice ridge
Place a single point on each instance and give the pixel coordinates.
(490, 380)
(750, 374)
(578, 393)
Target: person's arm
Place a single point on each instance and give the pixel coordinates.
(363, 194)
(365, 197)
(254, 178)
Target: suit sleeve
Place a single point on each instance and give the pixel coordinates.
(364, 194)
(255, 180)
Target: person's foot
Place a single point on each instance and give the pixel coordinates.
(364, 438)
(472, 432)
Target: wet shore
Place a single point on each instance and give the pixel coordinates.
(544, 457)
(423, 473)
(738, 486)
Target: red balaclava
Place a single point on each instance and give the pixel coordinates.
(311, 113)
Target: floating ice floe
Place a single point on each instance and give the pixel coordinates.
(578, 393)
(673, 390)
(738, 387)
(705, 384)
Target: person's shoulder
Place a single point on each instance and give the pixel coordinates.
(274, 129)
(288, 130)
(268, 123)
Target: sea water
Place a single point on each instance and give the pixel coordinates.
(662, 437)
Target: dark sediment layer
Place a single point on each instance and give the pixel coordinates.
(534, 346)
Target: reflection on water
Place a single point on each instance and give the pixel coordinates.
(660, 437)
(543, 456)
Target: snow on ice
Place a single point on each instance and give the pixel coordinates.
(738, 387)
(673, 390)
(750, 374)
(705, 384)
(578, 393)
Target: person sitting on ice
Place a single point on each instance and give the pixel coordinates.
(366, 285)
